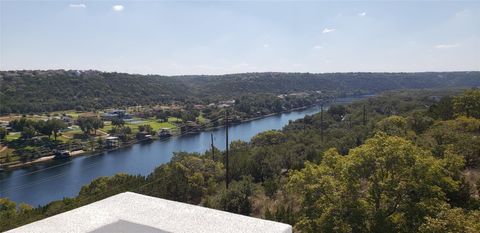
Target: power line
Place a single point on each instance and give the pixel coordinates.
(321, 123)
(71, 161)
(213, 147)
(120, 185)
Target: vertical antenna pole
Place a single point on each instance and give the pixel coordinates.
(213, 151)
(321, 122)
(227, 177)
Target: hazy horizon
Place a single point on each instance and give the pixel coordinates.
(246, 72)
(224, 37)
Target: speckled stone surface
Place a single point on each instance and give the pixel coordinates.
(131, 212)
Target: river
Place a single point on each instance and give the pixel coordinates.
(43, 183)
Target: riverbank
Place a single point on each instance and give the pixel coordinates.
(45, 159)
(58, 179)
(50, 158)
(41, 160)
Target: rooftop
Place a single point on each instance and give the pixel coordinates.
(131, 212)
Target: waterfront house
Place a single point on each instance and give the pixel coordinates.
(112, 142)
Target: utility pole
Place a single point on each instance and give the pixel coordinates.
(227, 177)
(213, 148)
(321, 122)
(364, 116)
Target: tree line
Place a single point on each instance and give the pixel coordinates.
(30, 128)
(34, 91)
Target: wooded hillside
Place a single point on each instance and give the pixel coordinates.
(43, 91)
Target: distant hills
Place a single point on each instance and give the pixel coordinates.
(39, 91)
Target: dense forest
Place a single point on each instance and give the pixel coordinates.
(405, 161)
(52, 90)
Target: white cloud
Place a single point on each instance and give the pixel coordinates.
(77, 6)
(446, 46)
(362, 14)
(328, 30)
(266, 45)
(118, 8)
(318, 47)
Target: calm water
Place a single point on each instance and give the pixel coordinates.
(44, 183)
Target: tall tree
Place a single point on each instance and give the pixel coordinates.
(118, 122)
(97, 123)
(28, 132)
(85, 124)
(55, 125)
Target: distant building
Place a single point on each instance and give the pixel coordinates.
(230, 102)
(143, 136)
(199, 106)
(115, 113)
(299, 94)
(112, 142)
(68, 120)
(223, 105)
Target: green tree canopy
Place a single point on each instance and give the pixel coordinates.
(393, 126)
(270, 137)
(468, 104)
(386, 185)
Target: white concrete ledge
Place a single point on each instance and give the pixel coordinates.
(131, 212)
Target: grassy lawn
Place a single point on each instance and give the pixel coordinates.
(37, 117)
(12, 136)
(154, 123)
(74, 114)
(174, 119)
(63, 139)
(67, 135)
(107, 126)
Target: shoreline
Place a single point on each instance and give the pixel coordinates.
(51, 158)
(79, 153)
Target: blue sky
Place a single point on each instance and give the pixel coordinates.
(217, 37)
